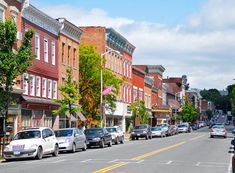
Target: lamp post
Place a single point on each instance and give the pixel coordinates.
(101, 83)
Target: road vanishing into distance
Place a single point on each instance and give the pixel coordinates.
(192, 152)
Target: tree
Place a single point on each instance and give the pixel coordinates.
(189, 113)
(89, 77)
(139, 111)
(13, 63)
(70, 97)
(209, 114)
(233, 101)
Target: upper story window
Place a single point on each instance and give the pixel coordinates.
(53, 53)
(74, 57)
(45, 50)
(32, 85)
(54, 90)
(69, 48)
(49, 88)
(2, 14)
(140, 94)
(44, 86)
(37, 46)
(124, 68)
(3, 6)
(14, 13)
(134, 94)
(63, 47)
(25, 83)
(38, 86)
(124, 93)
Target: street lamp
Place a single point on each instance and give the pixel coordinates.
(101, 83)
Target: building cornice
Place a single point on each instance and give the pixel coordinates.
(155, 69)
(114, 39)
(41, 19)
(70, 30)
(138, 70)
(148, 80)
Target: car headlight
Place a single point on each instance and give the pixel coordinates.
(132, 132)
(34, 146)
(96, 139)
(67, 140)
(144, 132)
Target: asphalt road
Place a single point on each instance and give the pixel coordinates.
(184, 153)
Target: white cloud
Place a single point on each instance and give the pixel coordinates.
(202, 47)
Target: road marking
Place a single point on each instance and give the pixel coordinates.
(192, 139)
(109, 168)
(169, 162)
(84, 161)
(112, 161)
(230, 164)
(140, 161)
(157, 151)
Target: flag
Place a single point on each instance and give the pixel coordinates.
(107, 90)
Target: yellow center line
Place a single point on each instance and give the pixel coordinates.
(109, 168)
(141, 157)
(196, 137)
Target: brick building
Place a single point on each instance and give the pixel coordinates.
(118, 53)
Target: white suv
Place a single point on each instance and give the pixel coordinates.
(33, 142)
(117, 134)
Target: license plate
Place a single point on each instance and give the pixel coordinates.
(16, 153)
(138, 134)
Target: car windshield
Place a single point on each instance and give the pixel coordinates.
(164, 125)
(94, 131)
(218, 127)
(28, 135)
(156, 129)
(140, 127)
(110, 130)
(182, 125)
(63, 133)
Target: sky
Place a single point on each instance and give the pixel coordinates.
(187, 37)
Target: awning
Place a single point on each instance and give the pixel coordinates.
(162, 110)
(39, 100)
(81, 116)
(72, 118)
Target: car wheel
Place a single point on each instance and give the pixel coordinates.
(132, 139)
(88, 146)
(7, 160)
(84, 147)
(56, 151)
(102, 144)
(73, 148)
(117, 141)
(39, 153)
(110, 143)
(212, 136)
(137, 138)
(225, 136)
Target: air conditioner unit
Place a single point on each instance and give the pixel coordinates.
(19, 35)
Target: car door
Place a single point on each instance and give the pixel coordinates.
(77, 138)
(46, 145)
(51, 139)
(107, 136)
(82, 138)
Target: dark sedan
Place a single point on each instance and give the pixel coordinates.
(98, 137)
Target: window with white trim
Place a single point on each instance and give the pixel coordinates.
(129, 95)
(38, 86)
(124, 93)
(146, 99)
(45, 50)
(37, 46)
(49, 88)
(44, 86)
(2, 14)
(141, 94)
(54, 90)
(53, 53)
(74, 57)
(25, 84)
(124, 66)
(134, 94)
(32, 85)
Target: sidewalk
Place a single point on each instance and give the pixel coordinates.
(127, 136)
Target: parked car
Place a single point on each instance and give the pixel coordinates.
(158, 132)
(32, 143)
(172, 130)
(184, 128)
(218, 130)
(98, 137)
(165, 127)
(233, 158)
(194, 126)
(71, 139)
(141, 131)
(117, 134)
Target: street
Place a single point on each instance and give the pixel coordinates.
(191, 152)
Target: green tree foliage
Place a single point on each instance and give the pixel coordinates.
(139, 111)
(189, 113)
(209, 114)
(89, 77)
(70, 97)
(13, 61)
(211, 95)
(233, 101)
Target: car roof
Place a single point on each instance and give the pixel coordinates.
(66, 129)
(36, 128)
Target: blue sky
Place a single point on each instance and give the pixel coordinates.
(188, 37)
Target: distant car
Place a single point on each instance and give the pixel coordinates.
(218, 130)
(32, 143)
(233, 158)
(98, 137)
(71, 139)
(194, 126)
(117, 134)
(141, 131)
(184, 128)
(164, 126)
(158, 132)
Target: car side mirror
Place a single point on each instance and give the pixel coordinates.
(75, 135)
(233, 142)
